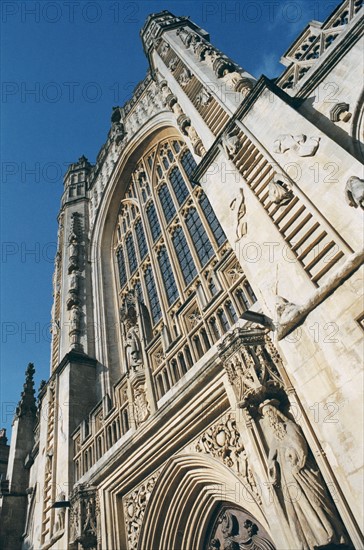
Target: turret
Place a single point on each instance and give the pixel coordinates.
(20, 460)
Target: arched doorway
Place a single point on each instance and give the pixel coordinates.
(192, 502)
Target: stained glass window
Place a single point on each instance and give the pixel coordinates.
(155, 308)
(212, 220)
(185, 259)
(199, 236)
(153, 221)
(133, 264)
(166, 202)
(168, 277)
(188, 163)
(121, 266)
(179, 185)
(142, 244)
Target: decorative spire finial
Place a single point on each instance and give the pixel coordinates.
(27, 404)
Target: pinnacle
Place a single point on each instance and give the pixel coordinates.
(27, 400)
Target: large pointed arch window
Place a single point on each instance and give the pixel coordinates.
(172, 251)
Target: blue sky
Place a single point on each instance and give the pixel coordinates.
(64, 65)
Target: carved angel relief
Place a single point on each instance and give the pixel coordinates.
(231, 143)
(302, 145)
(185, 77)
(280, 190)
(203, 98)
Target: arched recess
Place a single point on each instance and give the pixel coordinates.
(186, 499)
(107, 345)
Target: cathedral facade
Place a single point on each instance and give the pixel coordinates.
(206, 363)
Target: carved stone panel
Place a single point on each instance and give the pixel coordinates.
(135, 504)
(302, 145)
(83, 517)
(252, 365)
(223, 441)
(354, 192)
(236, 529)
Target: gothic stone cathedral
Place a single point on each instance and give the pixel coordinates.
(205, 389)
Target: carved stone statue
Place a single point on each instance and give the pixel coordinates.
(280, 191)
(302, 145)
(73, 252)
(241, 226)
(164, 49)
(231, 79)
(231, 143)
(75, 318)
(173, 64)
(61, 514)
(74, 281)
(185, 77)
(354, 192)
(134, 346)
(117, 133)
(203, 98)
(295, 475)
(185, 36)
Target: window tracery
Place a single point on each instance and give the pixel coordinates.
(172, 252)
